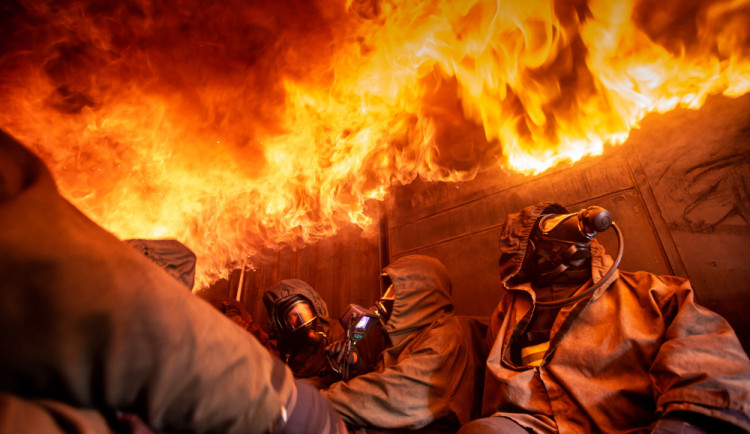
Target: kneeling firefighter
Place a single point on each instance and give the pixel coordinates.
(430, 372)
(582, 347)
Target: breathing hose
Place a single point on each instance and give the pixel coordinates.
(610, 272)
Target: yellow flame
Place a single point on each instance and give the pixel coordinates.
(239, 127)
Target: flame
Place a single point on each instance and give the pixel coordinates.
(234, 127)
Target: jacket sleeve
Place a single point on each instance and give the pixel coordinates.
(49, 417)
(701, 366)
(409, 394)
(88, 321)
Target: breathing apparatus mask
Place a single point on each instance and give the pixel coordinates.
(559, 250)
(295, 322)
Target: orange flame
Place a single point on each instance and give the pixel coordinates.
(234, 127)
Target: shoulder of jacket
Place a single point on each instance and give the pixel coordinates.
(659, 288)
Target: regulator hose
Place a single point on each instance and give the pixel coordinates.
(610, 272)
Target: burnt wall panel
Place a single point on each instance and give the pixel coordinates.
(590, 179)
(678, 187)
(698, 166)
(343, 269)
(472, 266)
(420, 199)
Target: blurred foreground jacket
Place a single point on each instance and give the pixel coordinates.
(638, 348)
(90, 327)
(235, 311)
(432, 372)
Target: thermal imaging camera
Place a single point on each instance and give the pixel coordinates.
(359, 321)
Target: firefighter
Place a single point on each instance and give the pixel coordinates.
(91, 329)
(428, 376)
(298, 320)
(579, 346)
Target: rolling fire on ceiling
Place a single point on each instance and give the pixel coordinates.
(236, 126)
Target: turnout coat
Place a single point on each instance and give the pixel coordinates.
(638, 348)
(431, 373)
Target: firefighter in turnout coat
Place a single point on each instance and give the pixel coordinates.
(638, 354)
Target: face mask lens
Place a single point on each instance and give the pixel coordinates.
(389, 293)
(299, 315)
(385, 305)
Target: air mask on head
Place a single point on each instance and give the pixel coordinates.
(295, 321)
(559, 249)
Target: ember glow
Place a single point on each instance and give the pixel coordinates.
(235, 126)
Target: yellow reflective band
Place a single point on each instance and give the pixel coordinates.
(533, 355)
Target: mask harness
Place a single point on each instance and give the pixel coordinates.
(559, 250)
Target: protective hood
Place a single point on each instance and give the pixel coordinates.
(422, 294)
(514, 241)
(514, 237)
(171, 255)
(291, 287)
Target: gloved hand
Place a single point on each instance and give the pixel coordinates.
(334, 348)
(309, 412)
(336, 352)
